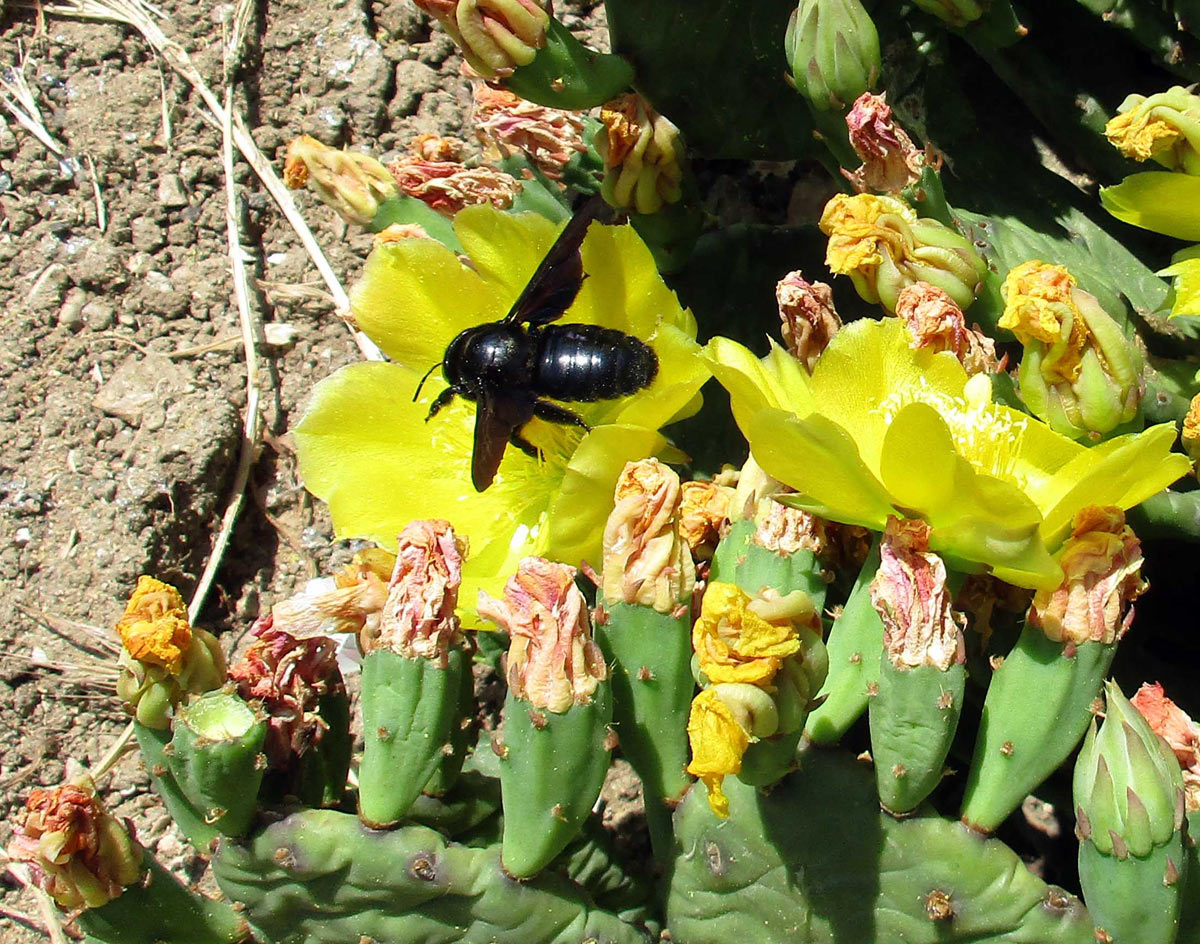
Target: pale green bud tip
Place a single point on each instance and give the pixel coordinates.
(1128, 786)
(833, 49)
(73, 848)
(353, 184)
(1163, 128)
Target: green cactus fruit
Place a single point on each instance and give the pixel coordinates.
(913, 720)
(1037, 707)
(322, 877)
(161, 909)
(845, 872)
(855, 646)
(833, 50)
(461, 740)
(650, 654)
(215, 756)
(738, 559)
(566, 74)
(1189, 913)
(1129, 801)
(410, 709)
(190, 819)
(552, 766)
(320, 779)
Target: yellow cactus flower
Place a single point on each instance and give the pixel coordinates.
(881, 429)
(154, 628)
(366, 449)
(1164, 127)
(733, 643)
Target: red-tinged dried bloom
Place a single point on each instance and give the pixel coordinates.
(353, 184)
(495, 36)
(933, 319)
(809, 319)
(910, 595)
(504, 122)
(351, 602)
(1175, 726)
(646, 561)
(289, 676)
(552, 661)
(643, 153)
(74, 849)
(787, 530)
(891, 161)
(418, 620)
(1102, 562)
(703, 515)
(447, 186)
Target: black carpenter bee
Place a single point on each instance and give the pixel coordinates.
(509, 368)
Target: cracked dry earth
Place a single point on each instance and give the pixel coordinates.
(124, 382)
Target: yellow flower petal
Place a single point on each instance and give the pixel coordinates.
(1185, 269)
(718, 743)
(1159, 201)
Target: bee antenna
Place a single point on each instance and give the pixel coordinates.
(423, 379)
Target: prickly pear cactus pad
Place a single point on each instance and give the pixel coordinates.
(842, 871)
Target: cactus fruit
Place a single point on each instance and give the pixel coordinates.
(322, 877)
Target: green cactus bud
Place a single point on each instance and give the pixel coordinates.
(833, 50)
(1079, 372)
(881, 243)
(1039, 701)
(915, 711)
(412, 676)
(855, 647)
(1129, 801)
(954, 12)
(324, 878)
(215, 758)
(644, 156)
(1164, 127)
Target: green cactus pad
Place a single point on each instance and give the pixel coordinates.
(814, 860)
(566, 74)
(321, 877)
(188, 818)
(739, 560)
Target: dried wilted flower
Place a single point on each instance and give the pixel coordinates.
(891, 161)
(353, 184)
(643, 153)
(809, 319)
(787, 530)
(348, 603)
(1175, 726)
(552, 661)
(448, 186)
(549, 136)
(703, 513)
(933, 319)
(495, 36)
(734, 643)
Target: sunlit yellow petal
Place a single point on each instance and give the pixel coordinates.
(1185, 270)
(1159, 201)
(776, 381)
(505, 248)
(415, 296)
(672, 395)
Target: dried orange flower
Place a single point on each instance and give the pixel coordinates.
(549, 136)
(809, 319)
(934, 320)
(891, 161)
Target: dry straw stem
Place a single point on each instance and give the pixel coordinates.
(17, 98)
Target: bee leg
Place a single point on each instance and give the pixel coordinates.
(553, 413)
(524, 444)
(443, 399)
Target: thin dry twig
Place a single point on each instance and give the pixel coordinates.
(98, 641)
(18, 99)
(101, 212)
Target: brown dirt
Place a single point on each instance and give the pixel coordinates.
(118, 438)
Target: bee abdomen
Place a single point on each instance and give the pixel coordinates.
(587, 362)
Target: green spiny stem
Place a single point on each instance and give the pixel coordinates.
(188, 818)
(928, 198)
(406, 209)
(552, 767)
(321, 877)
(410, 709)
(215, 757)
(855, 647)
(1189, 913)
(462, 738)
(1135, 899)
(160, 909)
(650, 654)
(566, 74)
(752, 567)
(1154, 30)
(1037, 707)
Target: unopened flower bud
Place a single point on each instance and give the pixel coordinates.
(733, 643)
(1190, 437)
(754, 488)
(289, 677)
(552, 661)
(352, 184)
(504, 122)
(833, 49)
(882, 244)
(448, 186)
(1182, 734)
(1164, 127)
(723, 721)
(809, 319)
(74, 849)
(495, 36)
(646, 561)
(643, 156)
(920, 627)
(418, 620)
(163, 658)
(934, 320)
(703, 513)
(954, 12)
(1079, 372)
(891, 161)
(1101, 563)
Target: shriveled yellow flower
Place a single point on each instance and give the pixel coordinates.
(1191, 429)
(718, 744)
(882, 244)
(366, 448)
(1164, 127)
(703, 513)
(643, 155)
(733, 643)
(154, 628)
(495, 36)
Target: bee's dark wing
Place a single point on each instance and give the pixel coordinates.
(557, 280)
(497, 416)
